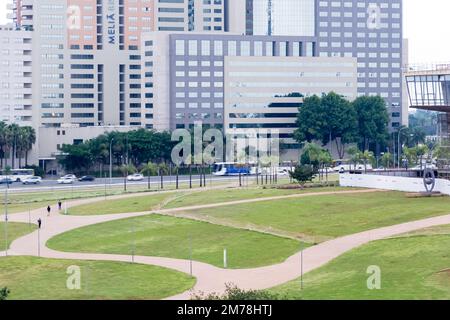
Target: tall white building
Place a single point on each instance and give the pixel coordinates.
(16, 82)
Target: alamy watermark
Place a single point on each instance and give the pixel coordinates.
(374, 280)
(249, 146)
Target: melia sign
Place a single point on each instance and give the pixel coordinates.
(111, 20)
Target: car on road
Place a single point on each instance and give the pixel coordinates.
(135, 177)
(32, 180)
(71, 176)
(6, 181)
(86, 178)
(65, 180)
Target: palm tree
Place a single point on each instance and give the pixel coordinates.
(30, 135)
(3, 141)
(386, 160)
(126, 169)
(13, 136)
(355, 155)
(150, 169)
(162, 169)
(365, 157)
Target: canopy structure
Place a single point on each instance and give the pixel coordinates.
(429, 89)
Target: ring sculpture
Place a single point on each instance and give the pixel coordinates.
(429, 180)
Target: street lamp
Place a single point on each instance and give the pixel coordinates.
(398, 146)
(110, 161)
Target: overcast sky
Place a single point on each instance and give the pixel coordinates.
(426, 26)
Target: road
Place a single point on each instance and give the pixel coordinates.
(51, 184)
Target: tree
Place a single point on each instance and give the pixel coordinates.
(140, 146)
(373, 120)
(126, 170)
(325, 160)
(4, 293)
(386, 160)
(3, 141)
(355, 155)
(330, 118)
(316, 156)
(150, 169)
(367, 156)
(310, 155)
(13, 137)
(233, 293)
(29, 136)
(303, 174)
(77, 157)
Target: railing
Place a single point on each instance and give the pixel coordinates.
(436, 66)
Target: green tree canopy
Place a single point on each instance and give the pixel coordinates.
(373, 120)
(330, 118)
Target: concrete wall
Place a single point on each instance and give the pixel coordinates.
(391, 183)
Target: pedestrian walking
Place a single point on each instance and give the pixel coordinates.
(59, 205)
(49, 209)
(39, 223)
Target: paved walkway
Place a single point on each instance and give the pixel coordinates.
(209, 278)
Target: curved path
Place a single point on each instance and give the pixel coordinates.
(209, 278)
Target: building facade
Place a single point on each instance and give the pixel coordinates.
(16, 76)
(133, 63)
(183, 73)
(369, 30)
(265, 93)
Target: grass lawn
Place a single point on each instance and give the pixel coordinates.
(413, 267)
(316, 219)
(227, 195)
(15, 230)
(163, 236)
(38, 279)
(176, 200)
(133, 204)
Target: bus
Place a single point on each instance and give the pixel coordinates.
(231, 169)
(17, 175)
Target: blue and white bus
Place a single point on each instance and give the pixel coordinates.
(231, 169)
(17, 175)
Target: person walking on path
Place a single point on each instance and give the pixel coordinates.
(49, 209)
(59, 205)
(39, 223)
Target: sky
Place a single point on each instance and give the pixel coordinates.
(426, 26)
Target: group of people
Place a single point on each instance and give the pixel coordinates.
(49, 210)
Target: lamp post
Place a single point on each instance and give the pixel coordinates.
(398, 147)
(110, 161)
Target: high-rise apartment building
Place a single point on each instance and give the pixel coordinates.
(16, 82)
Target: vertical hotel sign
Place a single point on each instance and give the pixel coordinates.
(111, 21)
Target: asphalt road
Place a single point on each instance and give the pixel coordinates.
(51, 184)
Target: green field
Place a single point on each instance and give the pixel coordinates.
(181, 199)
(316, 219)
(155, 235)
(45, 279)
(15, 230)
(412, 267)
(133, 204)
(227, 195)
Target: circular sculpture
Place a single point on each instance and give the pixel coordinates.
(429, 180)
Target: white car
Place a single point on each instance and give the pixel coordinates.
(71, 176)
(135, 177)
(32, 180)
(65, 180)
